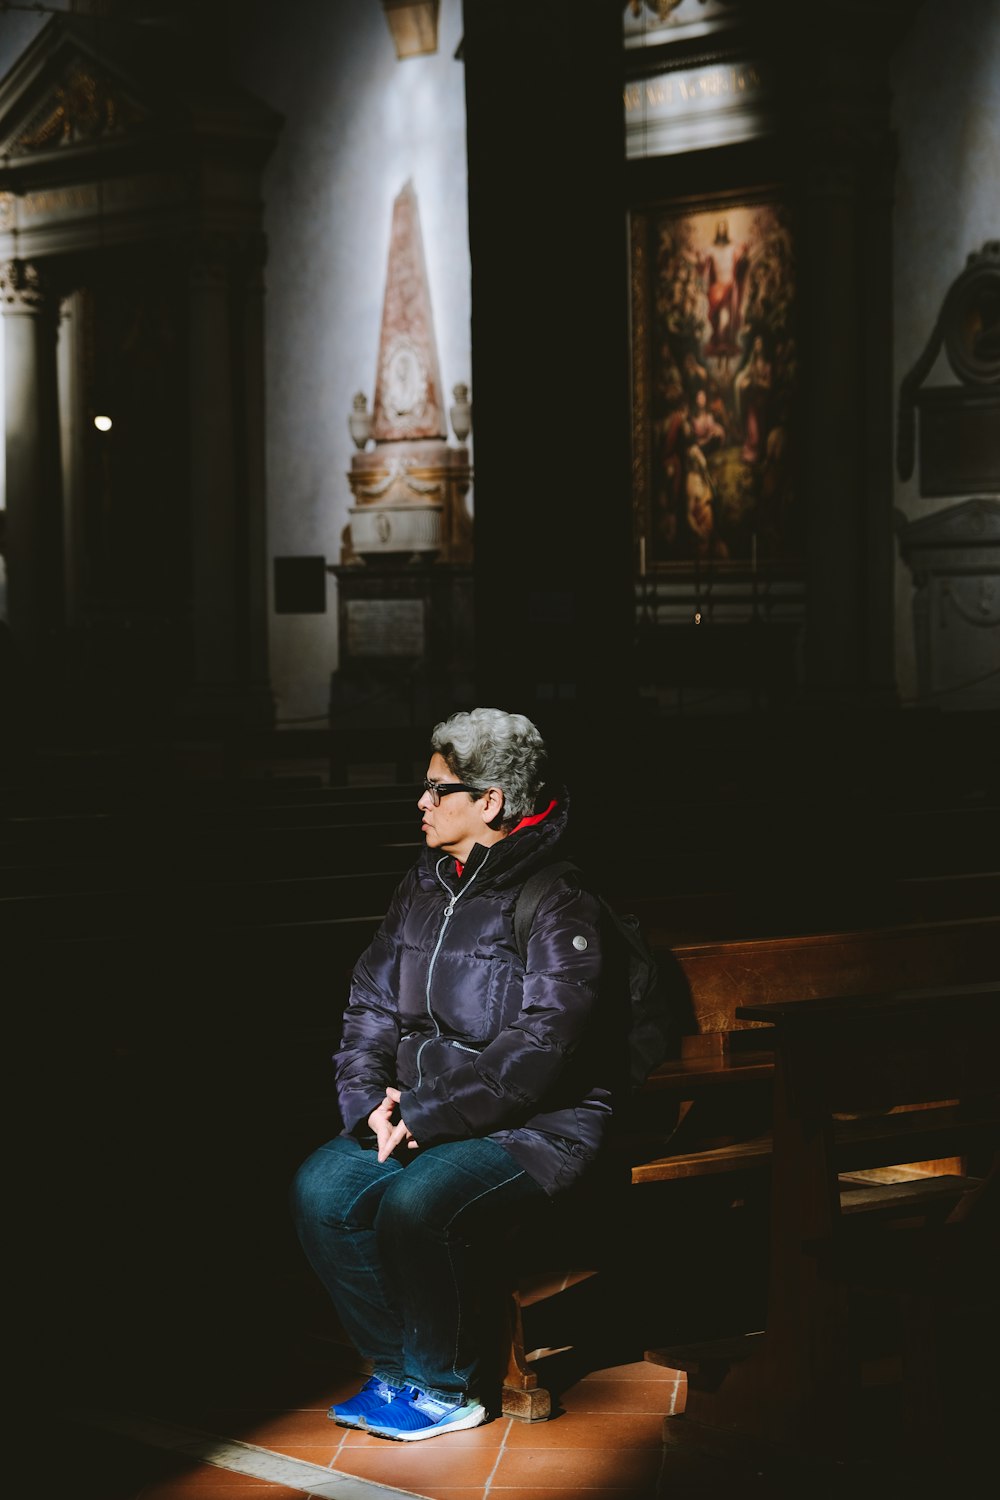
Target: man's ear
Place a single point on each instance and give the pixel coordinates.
(493, 804)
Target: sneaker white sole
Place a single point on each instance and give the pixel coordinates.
(473, 1417)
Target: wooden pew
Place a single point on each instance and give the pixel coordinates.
(114, 879)
(45, 798)
(861, 1084)
(723, 1050)
(60, 856)
(92, 832)
(715, 1061)
(718, 1088)
(798, 846)
(728, 911)
(265, 860)
(194, 907)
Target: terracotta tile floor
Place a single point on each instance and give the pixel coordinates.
(602, 1443)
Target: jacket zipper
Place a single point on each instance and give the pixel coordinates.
(453, 899)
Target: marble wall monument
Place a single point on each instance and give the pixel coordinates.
(405, 577)
(409, 488)
(952, 432)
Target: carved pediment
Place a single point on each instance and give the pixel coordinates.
(62, 93)
(85, 105)
(85, 83)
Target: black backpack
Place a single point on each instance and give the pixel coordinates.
(652, 1024)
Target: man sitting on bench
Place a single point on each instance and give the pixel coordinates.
(471, 1085)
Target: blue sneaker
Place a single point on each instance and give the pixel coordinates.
(412, 1416)
(374, 1396)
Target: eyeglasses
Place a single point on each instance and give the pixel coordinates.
(439, 789)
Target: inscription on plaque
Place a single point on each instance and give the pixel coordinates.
(689, 108)
(385, 627)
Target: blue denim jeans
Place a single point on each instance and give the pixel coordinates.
(407, 1253)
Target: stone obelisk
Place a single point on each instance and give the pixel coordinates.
(409, 489)
(408, 403)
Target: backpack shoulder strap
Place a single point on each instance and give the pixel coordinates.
(628, 926)
(529, 899)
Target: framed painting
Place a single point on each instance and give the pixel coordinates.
(714, 376)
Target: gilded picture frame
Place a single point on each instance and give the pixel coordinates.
(714, 384)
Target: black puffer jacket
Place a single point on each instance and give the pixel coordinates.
(442, 1008)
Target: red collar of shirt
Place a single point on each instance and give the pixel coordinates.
(528, 822)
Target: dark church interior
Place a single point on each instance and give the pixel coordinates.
(684, 441)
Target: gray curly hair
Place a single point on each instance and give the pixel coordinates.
(489, 747)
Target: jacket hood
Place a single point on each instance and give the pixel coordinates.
(510, 861)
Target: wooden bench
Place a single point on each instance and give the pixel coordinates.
(863, 1085)
(80, 906)
(722, 1048)
(799, 848)
(720, 1083)
(727, 911)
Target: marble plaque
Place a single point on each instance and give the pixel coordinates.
(385, 627)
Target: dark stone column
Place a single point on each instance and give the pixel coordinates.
(36, 594)
(251, 461)
(845, 171)
(227, 490)
(550, 358)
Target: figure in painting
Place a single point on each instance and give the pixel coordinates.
(676, 438)
(701, 507)
(694, 375)
(709, 432)
(753, 398)
(688, 515)
(724, 269)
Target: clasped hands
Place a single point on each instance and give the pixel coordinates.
(389, 1135)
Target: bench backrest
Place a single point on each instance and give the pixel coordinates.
(713, 979)
(873, 1053)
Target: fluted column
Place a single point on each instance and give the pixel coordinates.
(35, 562)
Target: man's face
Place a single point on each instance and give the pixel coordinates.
(459, 820)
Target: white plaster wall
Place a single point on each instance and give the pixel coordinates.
(946, 109)
(358, 124)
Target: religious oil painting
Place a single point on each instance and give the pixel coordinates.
(714, 385)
